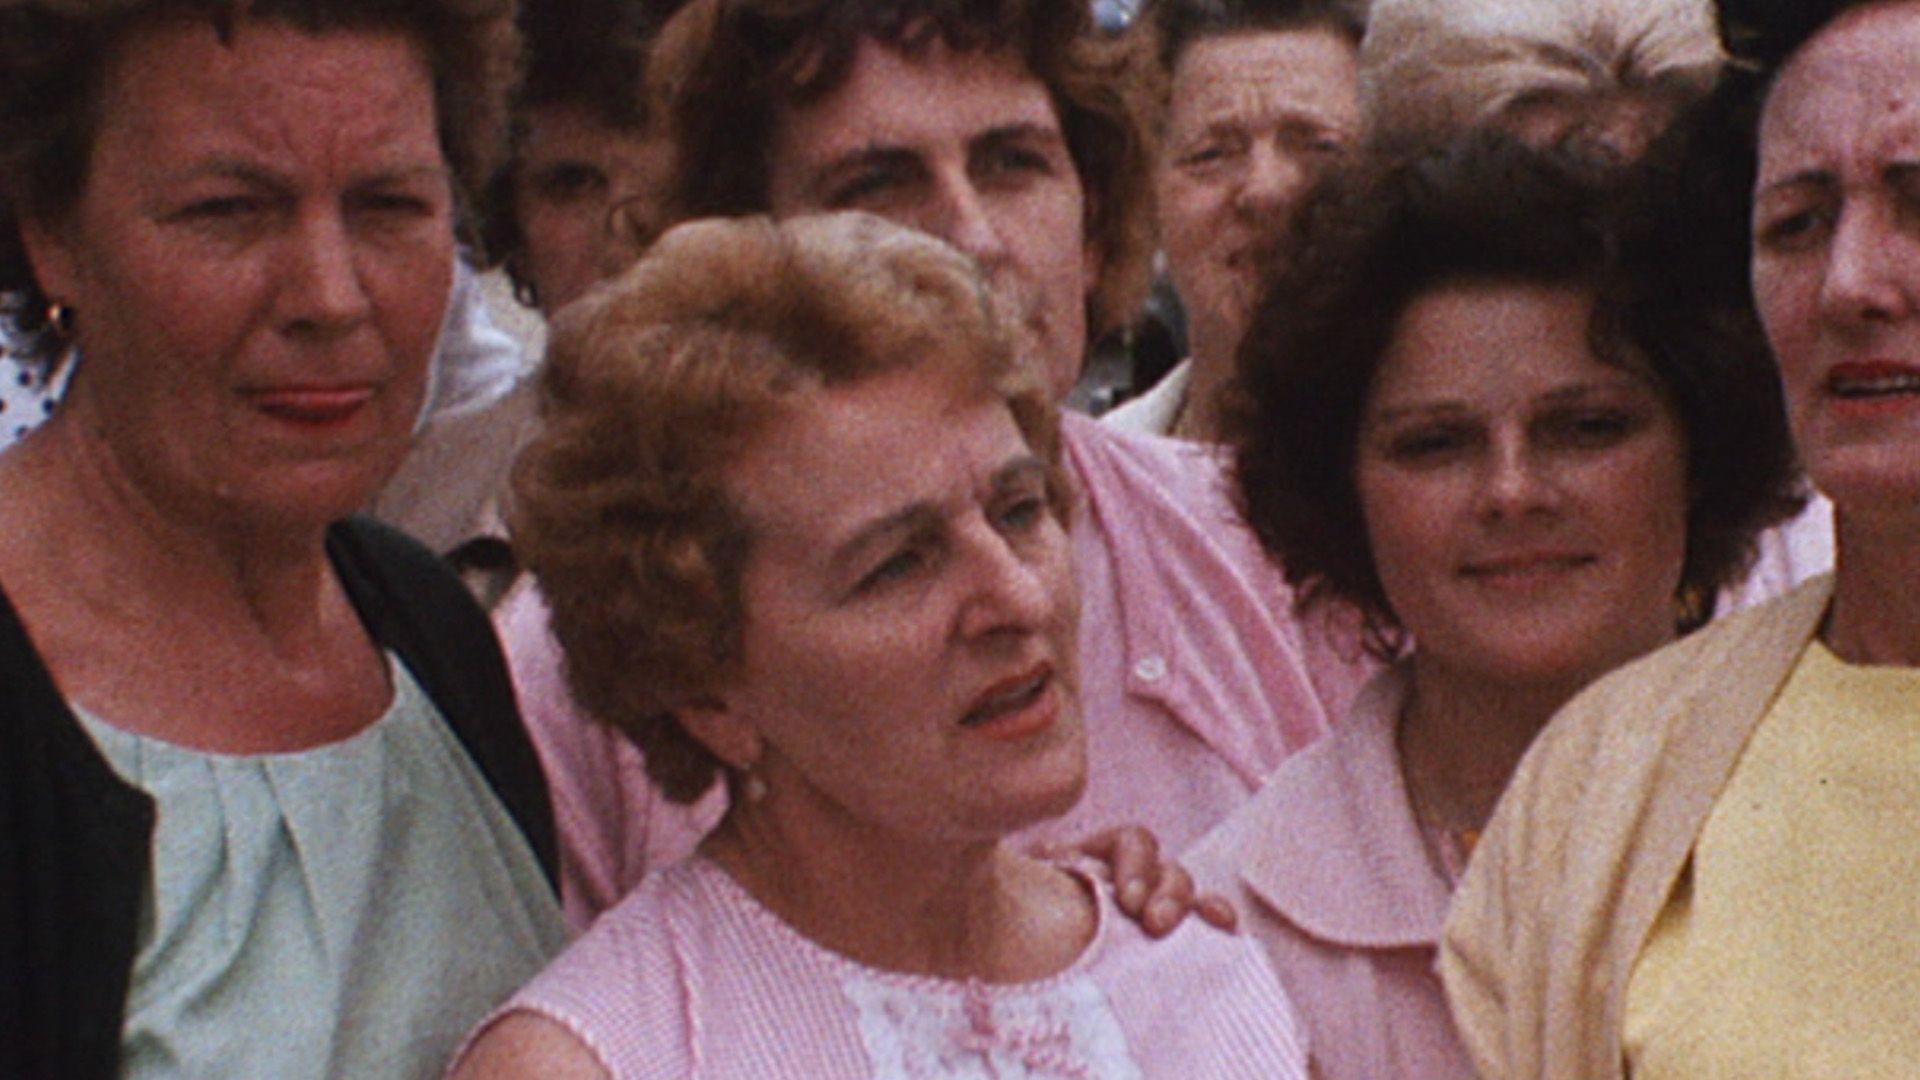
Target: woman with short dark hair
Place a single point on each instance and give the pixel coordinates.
(1482, 417)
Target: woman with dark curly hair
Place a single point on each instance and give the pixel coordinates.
(270, 810)
(1497, 420)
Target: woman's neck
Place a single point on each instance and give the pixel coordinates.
(1461, 737)
(1875, 616)
(114, 535)
(950, 910)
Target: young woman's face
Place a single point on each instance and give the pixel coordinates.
(1836, 254)
(912, 615)
(1525, 503)
(572, 172)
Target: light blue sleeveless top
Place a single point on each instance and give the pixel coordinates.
(344, 911)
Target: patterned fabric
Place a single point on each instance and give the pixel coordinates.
(691, 977)
(28, 388)
(1331, 874)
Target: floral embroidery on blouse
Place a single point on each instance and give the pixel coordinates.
(1064, 1029)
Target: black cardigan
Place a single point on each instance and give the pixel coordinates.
(76, 841)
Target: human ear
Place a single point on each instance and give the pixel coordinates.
(725, 733)
(50, 252)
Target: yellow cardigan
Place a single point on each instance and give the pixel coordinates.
(1584, 848)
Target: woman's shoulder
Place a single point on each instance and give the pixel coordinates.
(1730, 664)
(624, 988)
(1200, 1002)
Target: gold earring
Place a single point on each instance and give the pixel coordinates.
(60, 319)
(752, 787)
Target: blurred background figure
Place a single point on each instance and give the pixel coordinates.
(1607, 74)
(579, 197)
(1475, 411)
(801, 517)
(1705, 867)
(269, 807)
(1260, 97)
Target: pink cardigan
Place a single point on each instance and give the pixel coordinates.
(1197, 678)
(690, 976)
(1331, 875)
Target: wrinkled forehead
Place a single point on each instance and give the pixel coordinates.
(1851, 92)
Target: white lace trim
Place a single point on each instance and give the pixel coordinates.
(1066, 1031)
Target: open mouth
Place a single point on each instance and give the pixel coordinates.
(1870, 381)
(1009, 700)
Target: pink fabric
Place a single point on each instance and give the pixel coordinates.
(1197, 679)
(1331, 875)
(689, 976)
(613, 824)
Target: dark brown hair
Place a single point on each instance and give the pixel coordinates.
(1176, 24)
(1668, 300)
(725, 67)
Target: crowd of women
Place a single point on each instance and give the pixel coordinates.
(1502, 612)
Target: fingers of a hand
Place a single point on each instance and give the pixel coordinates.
(1133, 855)
(1170, 903)
(1217, 911)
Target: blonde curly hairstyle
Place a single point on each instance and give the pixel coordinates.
(659, 379)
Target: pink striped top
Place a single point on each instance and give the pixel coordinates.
(690, 976)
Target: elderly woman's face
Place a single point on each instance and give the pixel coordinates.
(1253, 120)
(912, 615)
(1836, 253)
(1526, 504)
(573, 169)
(258, 263)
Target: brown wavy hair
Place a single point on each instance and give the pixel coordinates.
(723, 68)
(655, 384)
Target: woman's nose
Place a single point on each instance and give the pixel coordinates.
(1870, 271)
(1516, 483)
(321, 289)
(1009, 590)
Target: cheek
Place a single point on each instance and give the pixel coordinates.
(1406, 518)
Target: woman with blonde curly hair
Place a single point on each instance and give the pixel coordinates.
(801, 519)
(270, 810)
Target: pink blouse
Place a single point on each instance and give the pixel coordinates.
(690, 976)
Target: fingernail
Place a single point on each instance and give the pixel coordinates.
(1162, 913)
(1132, 894)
